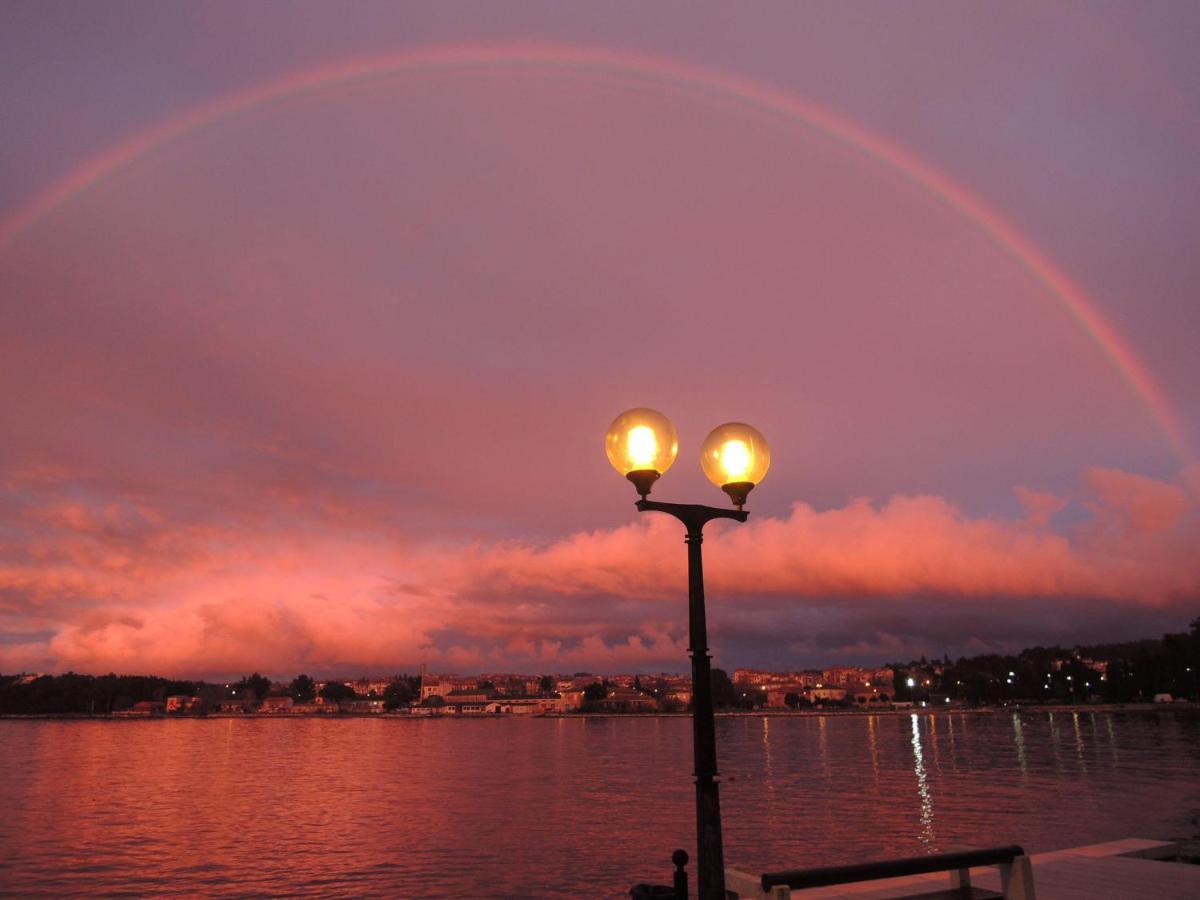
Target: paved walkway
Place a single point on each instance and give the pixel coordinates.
(1129, 869)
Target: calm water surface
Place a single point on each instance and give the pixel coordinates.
(557, 807)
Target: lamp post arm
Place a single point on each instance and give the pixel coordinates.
(694, 516)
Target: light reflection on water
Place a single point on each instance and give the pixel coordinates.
(1019, 743)
(546, 807)
(926, 834)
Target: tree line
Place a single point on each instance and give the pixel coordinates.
(1125, 672)
(75, 694)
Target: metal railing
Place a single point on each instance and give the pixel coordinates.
(894, 868)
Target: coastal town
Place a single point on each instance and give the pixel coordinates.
(431, 694)
(1147, 671)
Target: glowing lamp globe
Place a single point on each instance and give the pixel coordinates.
(735, 457)
(641, 445)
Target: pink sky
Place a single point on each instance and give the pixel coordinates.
(322, 386)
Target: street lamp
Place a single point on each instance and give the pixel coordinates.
(641, 445)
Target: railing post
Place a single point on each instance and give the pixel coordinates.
(960, 879)
(1016, 879)
(680, 858)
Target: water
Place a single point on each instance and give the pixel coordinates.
(557, 807)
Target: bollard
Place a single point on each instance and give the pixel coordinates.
(678, 891)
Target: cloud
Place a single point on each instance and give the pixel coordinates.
(108, 581)
(1040, 506)
(1139, 505)
(1135, 547)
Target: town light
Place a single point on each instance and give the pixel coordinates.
(641, 444)
(735, 457)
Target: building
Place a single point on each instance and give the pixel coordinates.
(577, 683)
(365, 687)
(276, 704)
(310, 709)
(147, 708)
(513, 685)
(522, 706)
(442, 685)
(569, 701)
(825, 694)
(477, 696)
(181, 703)
(628, 700)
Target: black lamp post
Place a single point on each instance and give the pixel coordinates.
(641, 445)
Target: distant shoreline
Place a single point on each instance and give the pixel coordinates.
(721, 714)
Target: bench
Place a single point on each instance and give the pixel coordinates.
(1016, 875)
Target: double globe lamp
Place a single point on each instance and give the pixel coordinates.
(641, 445)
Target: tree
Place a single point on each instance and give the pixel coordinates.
(302, 689)
(791, 700)
(547, 684)
(399, 692)
(595, 691)
(336, 691)
(259, 684)
(751, 698)
(723, 693)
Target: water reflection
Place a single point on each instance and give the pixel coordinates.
(556, 808)
(926, 834)
(1019, 741)
(953, 746)
(1078, 743)
(823, 748)
(933, 742)
(872, 743)
(1055, 744)
(768, 767)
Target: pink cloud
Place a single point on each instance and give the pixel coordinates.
(908, 545)
(1142, 505)
(286, 595)
(1040, 506)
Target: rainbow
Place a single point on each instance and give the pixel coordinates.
(653, 70)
